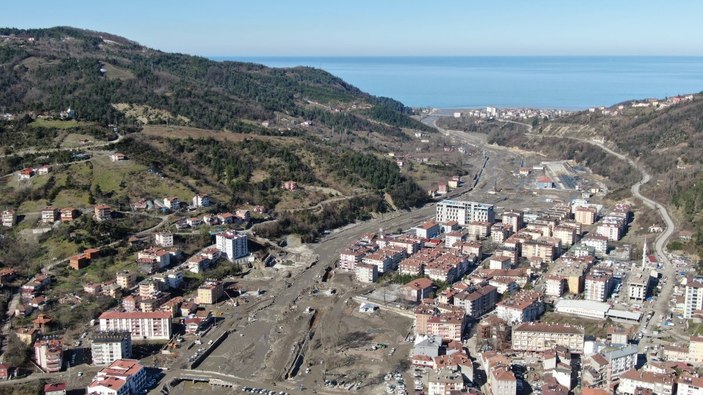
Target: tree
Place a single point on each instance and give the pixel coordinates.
(16, 352)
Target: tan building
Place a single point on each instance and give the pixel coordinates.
(502, 381)
(366, 273)
(695, 349)
(539, 249)
(514, 219)
(598, 285)
(479, 230)
(126, 279)
(566, 234)
(542, 337)
(210, 292)
(585, 215)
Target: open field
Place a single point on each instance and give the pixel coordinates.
(184, 132)
(77, 140)
(58, 124)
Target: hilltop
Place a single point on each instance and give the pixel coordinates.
(234, 130)
(665, 136)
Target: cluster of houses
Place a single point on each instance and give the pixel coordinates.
(449, 298)
(145, 313)
(29, 172)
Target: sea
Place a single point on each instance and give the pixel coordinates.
(556, 82)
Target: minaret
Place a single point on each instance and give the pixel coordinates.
(644, 253)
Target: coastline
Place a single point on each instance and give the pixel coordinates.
(571, 83)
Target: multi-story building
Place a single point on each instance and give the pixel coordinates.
(154, 259)
(163, 239)
(366, 273)
(566, 234)
(688, 385)
(620, 360)
(540, 249)
(48, 354)
(639, 283)
(598, 242)
(502, 381)
(445, 320)
(417, 290)
(49, 215)
(209, 292)
(555, 286)
(427, 230)
(8, 218)
(695, 349)
(354, 254)
(633, 381)
(108, 347)
(513, 218)
(444, 381)
(477, 300)
(522, 307)
(585, 215)
(142, 325)
(464, 212)
(201, 200)
(126, 279)
(233, 245)
(598, 285)
(479, 230)
(122, 377)
(103, 212)
(542, 337)
(694, 296)
(612, 231)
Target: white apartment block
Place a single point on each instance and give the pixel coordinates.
(142, 325)
(108, 347)
(542, 337)
(233, 245)
(694, 296)
(464, 212)
(164, 239)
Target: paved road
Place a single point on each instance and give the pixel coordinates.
(49, 150)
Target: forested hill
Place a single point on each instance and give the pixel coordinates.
(109, 79)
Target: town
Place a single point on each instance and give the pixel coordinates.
(475, 298)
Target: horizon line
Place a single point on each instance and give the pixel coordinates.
(451, 56)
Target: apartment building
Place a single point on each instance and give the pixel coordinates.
(121, 377)
(233, 245)
(542, 337)
(598, 285)
(163, 239)
(366, 273)
(524, 306)
(209, 292)
(464, 212)
(108, 347)
(142, 325)
(514, 218)
(585, 215)
(48, 354)
(477, 300)
(693, 297)
(633, 381)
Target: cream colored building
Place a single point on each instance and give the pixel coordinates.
(543, 337)
(695, 349)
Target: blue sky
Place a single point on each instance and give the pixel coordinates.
(383, 27)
